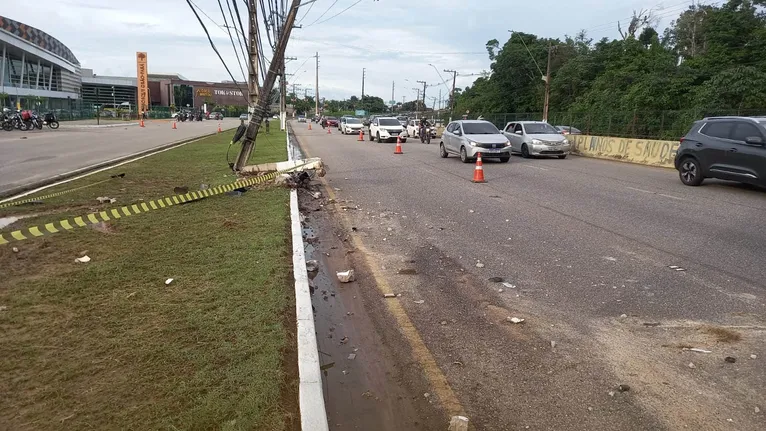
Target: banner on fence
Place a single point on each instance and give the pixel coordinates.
(642, 151)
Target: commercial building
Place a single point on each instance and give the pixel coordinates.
(36, 68)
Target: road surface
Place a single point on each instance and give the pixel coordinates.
(617, 269)
(47, 153)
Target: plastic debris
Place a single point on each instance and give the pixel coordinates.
(419, 302)
(515, 320)
(389, 295)
(106, 200)
(168, 281)
(346, 276)
(699, 350)
(84, 259)
(509, 285)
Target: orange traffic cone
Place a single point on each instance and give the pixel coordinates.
(219, 128)
(309, 126)
(361, 136)
(398, 149)
(142, 123)
(478, 172)
(174, 125)
(328, 130)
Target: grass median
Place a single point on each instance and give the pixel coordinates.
(108, 345)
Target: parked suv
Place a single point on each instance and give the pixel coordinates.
(468, 138)
(386, 129)
(536, 138)
(727, 148)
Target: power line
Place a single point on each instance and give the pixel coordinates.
(232, 39)
(216, 49)
(307, 12)
(354, 4)
(323, 13)
(239, 18)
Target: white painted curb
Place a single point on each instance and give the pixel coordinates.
(310, 394)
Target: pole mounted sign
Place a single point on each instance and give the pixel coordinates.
(142, 82)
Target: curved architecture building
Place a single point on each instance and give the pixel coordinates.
(36, 69)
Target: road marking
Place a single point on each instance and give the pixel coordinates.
(436, 379)
(537, 167)
(671, 197)
(640, 190)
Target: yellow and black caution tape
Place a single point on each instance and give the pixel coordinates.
(135, 209)
(53, 195)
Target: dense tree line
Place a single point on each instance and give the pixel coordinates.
(710, 61)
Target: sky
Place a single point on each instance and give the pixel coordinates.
(395, 41)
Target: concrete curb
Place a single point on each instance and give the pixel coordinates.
(310, 393)
(36, 186)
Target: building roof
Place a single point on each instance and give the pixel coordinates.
(37, 37)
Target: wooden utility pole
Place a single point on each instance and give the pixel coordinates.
(316, 89)
(253, 76)
(547, 79)
(261, 108)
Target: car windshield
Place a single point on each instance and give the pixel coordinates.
(332, 119)
(389, 122)
(480, 129)
(352, 121)
(540, 129)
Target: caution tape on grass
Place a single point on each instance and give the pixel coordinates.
(53, 195)
(135, 209)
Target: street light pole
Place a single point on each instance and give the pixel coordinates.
(424, 94)
(114, 102)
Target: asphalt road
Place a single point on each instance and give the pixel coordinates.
(588, 248)
(47, 153)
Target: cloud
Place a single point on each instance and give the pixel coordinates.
(394, 40)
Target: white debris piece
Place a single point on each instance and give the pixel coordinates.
(419, 302)
(346, 276)
(84, 259)
(515, 320)
(168, 281)
(753, 357)
(458, 423)
(691, 365)
(479, 265)
(316, 195)
(698, 350)
(106, 200)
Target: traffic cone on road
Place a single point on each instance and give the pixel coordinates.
(174, 125)
(141, 123)
(328, 130)
(361, 136)
(398, 149)
(309, 126)
(219, 128)
(478, 172)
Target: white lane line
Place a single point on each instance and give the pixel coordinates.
(639, 190)
(537, 167)
(671, 197)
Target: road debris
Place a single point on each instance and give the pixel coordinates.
(479, 265)
(346, 276)
(730, 359)
(515, 320)
(691, 365)
(623, 388)
(553, 344)
(509, 285)
(204, 186)
(419, 302)
(181, 190)
(367, 394)
(407, 271)
(3, 307)
(351, 356)
(15, 249)
(458, 423)
(458, 363)
(312, 266)
(496, 279)
(84, 259)
(623, 316)
(389, 295)
(698, 350)
(611, 393)
(753, 357)
(443, 322)
(327, 366)
(344, 340)
(471, 211)
(316, 195)
(130, 295)
(106, 200)
(676, 268)
(757, 410)
(499, 290)
(168, 281)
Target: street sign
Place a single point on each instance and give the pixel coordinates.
(392, 102)
(360, 112)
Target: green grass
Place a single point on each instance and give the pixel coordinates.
(107, 345)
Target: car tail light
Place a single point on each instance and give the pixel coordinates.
(683, 138)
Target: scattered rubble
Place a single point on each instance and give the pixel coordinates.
(346, 276)
(458, 423)
(753, 357)
(316, 195)
(15, 249)
(106, 200)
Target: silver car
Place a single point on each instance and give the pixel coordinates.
(468, 138)
(536, 138)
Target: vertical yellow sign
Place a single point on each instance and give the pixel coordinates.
(142, 82)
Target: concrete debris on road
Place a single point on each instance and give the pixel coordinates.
(515, 320)
(419, 302)
(84, 259)
(15, 249)
(623, 316)
(168, 281)
(458, 423)
(691, 365)
(753, 357)
(106, 200)
(443, 322)
(698, 350)
(553, 344)
(479, 265)
(389, 295)
(344, 340)
(352, 356)
(509, 285)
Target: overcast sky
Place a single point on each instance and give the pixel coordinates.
(395, 40)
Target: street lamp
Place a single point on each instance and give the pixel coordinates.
(114, 102)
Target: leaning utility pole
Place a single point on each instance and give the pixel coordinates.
(547, 84)
(253, 78)
(316, 89)
(261, 108)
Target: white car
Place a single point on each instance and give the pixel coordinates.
(385, 129)
(350, 126)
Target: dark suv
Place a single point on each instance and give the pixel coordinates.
(728, 148)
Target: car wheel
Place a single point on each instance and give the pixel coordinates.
(690, 172)
(525, 151)
(464, 156)
(505, 159)
(443, 151)
(563, 156)
(378, 138)
(372, 138)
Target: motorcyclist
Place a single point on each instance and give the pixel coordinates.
(324, 122)
(423, 125)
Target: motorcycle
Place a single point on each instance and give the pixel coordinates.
(425, 134)
(50, 120)
(36, 121)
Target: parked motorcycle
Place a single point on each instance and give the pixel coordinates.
(51, 121)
